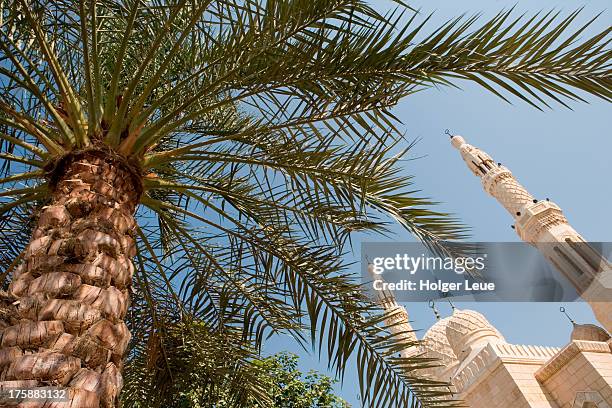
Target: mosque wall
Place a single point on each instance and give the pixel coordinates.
(524, 377)
(581, 367)
(509, 386)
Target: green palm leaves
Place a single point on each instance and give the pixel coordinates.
(264, 134)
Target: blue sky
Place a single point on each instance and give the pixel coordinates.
(562, 154)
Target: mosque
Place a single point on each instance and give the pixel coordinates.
(483, 369)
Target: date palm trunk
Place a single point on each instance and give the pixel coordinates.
(71, 292)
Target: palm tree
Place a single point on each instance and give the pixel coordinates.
(191, 172)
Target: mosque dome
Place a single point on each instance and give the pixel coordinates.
(435, 345)
(589, 332)
(468, 329)
(436, 342)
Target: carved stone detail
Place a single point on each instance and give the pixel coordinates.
(568, 353)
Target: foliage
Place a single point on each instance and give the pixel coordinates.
(264, 133)
(284, 383)
(291, 389)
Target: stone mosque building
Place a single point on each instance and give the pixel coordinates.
(486, 371)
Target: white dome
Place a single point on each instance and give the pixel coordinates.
(468, 329)
(435, 340)
(435, 345)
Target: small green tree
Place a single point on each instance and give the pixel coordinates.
(288, 387)
(195, 373)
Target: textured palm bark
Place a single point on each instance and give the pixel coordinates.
(72, 289)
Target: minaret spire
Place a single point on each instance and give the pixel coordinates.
(398, 321)
(543, 225)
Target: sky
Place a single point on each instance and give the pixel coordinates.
(559, 153)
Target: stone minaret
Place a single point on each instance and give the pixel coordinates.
(543, 225)
(398, 320)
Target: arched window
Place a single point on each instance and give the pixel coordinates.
(588, 254)
(574, 267)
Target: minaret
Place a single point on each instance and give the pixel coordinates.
(543, 225)
(398, 321)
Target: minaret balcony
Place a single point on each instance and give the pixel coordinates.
(537, 218)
